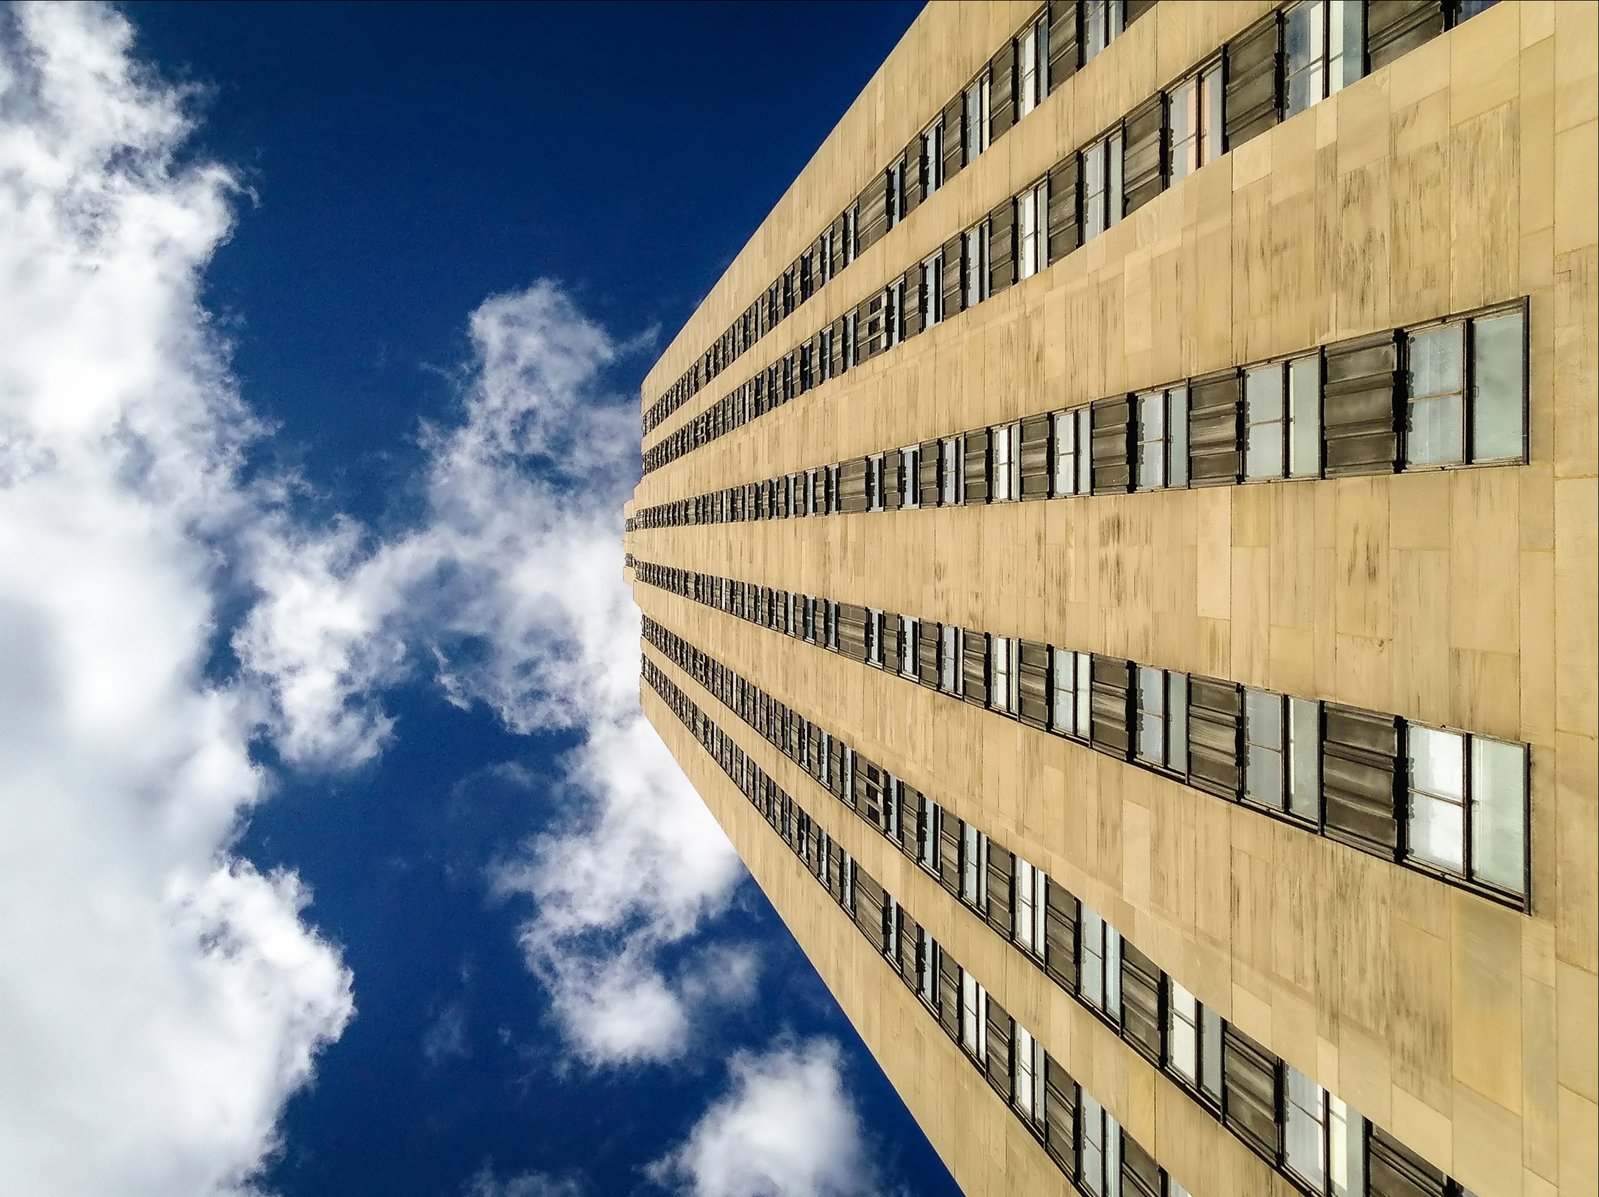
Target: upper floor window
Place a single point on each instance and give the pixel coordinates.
(1032, 230)
(1098, 1148)
(851, 327)
(910, 458)
(977, 117)
(974, 866)
(1161, 733)
(1193, 1041)
(1282, 753)
(1197, 119)
(1467, 805)
(1304, 1129)
(874, 637)
(952, 479)
(949, 659)
(1032, 67)
(927, 967)
(1102, 185)
(1028, 1076)
(1162, 423)
(1073, 466)
(1282, 419)
(932, 296)
(824, 261)
(893, 919)
(894, 199)
(851, 236)
(974, 1017)
(1102, 21)
(1467, 391)
(927, 834)
(908, 628)
(894, 312)
(932, 163)
(1324, 50)
(974, 265)
(1028, 909)
(1071, 691)
(1002, 672)
(1099, 962)
(1007, 453)
(824, 354)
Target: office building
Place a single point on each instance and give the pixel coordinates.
(1118, 556)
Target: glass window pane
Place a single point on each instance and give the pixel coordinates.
(1177, 435)
(1435, 831)
(1346, 1162)
(1303, 1143)
(1434, 434)
(1497, 405)
(1436, 359)
(1304, 406)
(1437, 761)
(1177, 724)
(1498, 813)
(1210, 1052)
(1304, 743)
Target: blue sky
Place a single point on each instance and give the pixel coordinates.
(340, 859)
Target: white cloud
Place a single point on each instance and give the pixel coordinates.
(511, 593)
(524, 1184)
(785, 1128)
(159, 998)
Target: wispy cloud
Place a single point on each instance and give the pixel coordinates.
(784, 1128)
(159, 998)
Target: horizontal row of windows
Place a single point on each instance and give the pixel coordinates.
(1450, 392)
(1305, 1132)
(1297, 55)
(1449, 803)
(1043, 54)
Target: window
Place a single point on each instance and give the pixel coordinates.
(932, 296)
(1283, 440)
(851, 323)
(952, 482)
(1467, 807)
(1282, 750)
(894, 185)
(1032, 67)
(949, 659)
(894, 312)
(932, 165)
(1182, 1033)
(977, 111)
(1102, 21)
(1032, 230)
(874, 637)
(824, 354)
(1099, 963)
(1006, 442)
(825, 261)
(974, 1017)
(1073, 470)
(830, 621)
(1002, 664)
(1162, 729)
(1102, 185)
(892, 916)
(1072, 692)
(974, 866)
(927, 835)
(1324, 43)
(1028, 909)
(1304, 1137)
(1162, 422)
(910, 461)
(907, 646)
(1027, 1076)
(1196, 114)
(893, 791)
(851, 243)
(1467, 391)
(974, 265)
(927, 967)
(1098, 1148)
(1346, 1150)
(874, 482)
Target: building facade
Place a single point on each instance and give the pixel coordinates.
(1117, 552)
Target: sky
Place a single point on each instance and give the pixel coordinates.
(336, 855)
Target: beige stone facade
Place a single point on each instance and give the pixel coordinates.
(1459, 176)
